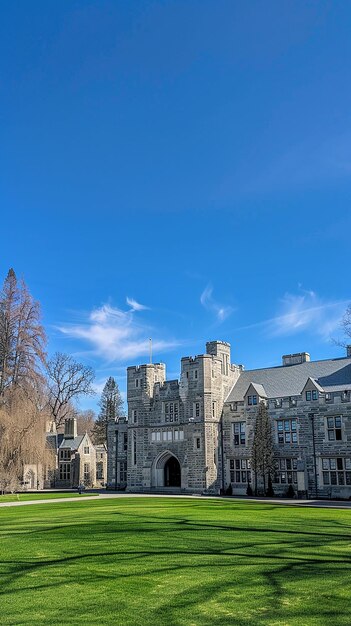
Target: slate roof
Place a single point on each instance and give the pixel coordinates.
(289, 380)
(72, 444)
(259, 389)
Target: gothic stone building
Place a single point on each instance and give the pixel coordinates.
(79, 461)
(195, 434)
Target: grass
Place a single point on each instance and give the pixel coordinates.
(174, 562)
(23, 497)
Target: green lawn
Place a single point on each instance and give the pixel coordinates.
(22, 497)
(169, 562)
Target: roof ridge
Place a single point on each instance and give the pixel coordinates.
(286, 367)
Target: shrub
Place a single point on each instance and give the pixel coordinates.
(270, 490)
(249, 491)
(290, 492)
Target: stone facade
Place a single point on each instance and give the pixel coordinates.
(79, 462)
(195, 434)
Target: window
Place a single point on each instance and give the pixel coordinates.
(240, 470)
(156, 435)
(196, 409)
(166, 435)
(287, 431)
(137, 382)
(65, 455)
(285, 471)
(334, 428)
(328, 397)
(239, 433)
(171, 411)
(99, 471)
(134, 449)
(65, 471)
(195, 374)
(86, 450)
(134, 416)
(336, 471)
(214, 409)
(125, 442)
(197, 443)
(311, 395)
(252, 400)
(178, 435)
(123, 472)
(86, 472)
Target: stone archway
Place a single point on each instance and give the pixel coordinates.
(166, 471)
(172, 476)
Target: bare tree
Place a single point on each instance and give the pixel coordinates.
(22, 435)
(85, 422)
(22, 337)
(346, 322)
(68, 381)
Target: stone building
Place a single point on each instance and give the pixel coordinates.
(79, 461)
(195, 434)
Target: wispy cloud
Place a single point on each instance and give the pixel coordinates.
(136, 306)
(305, 311)
(221, 312)
(307, 163)
(115, 334)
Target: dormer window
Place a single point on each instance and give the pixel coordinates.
(311, 395)
(252, 400)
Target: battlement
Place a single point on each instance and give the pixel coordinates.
(141, 379)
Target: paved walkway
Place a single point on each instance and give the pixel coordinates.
(334, 504)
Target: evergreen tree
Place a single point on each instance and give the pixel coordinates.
(111, 408)
(262, 460)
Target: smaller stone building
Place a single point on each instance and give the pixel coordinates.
(79, 461)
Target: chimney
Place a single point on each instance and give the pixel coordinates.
(348, 350)
(295, 359)
(71, 430)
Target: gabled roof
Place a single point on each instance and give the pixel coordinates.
(314, 383)
(72, 444)
(260, 390)
(289, 380)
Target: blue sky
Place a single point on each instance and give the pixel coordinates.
(179, 170)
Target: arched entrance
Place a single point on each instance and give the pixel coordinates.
(166, 471)
(172, 472)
